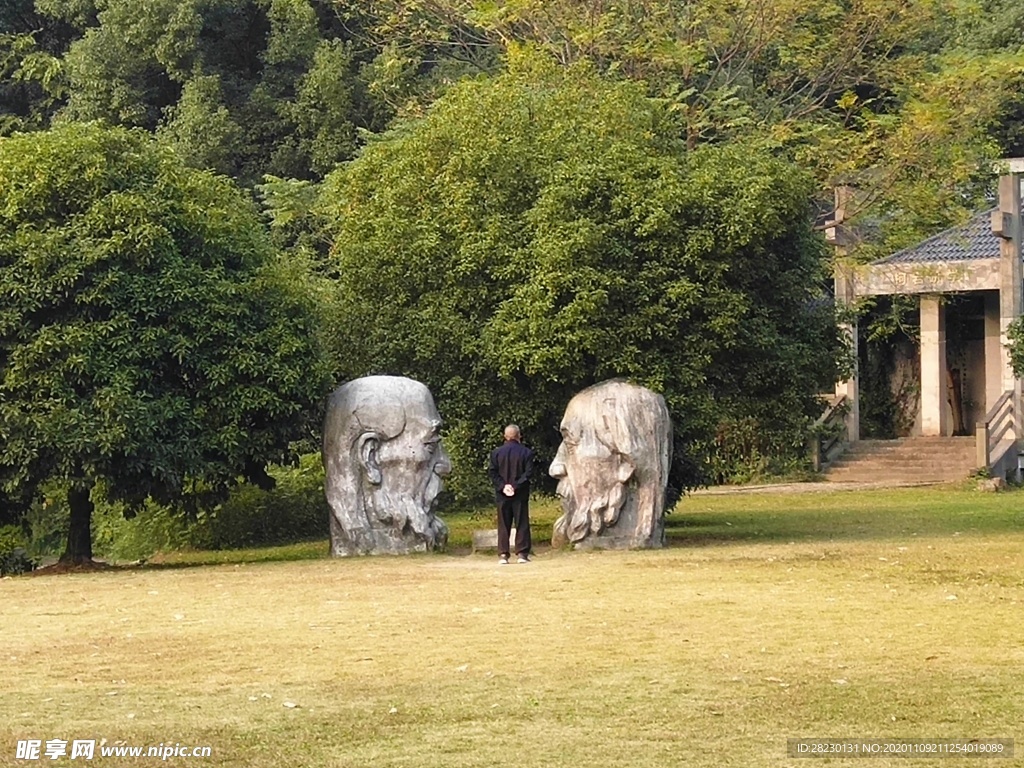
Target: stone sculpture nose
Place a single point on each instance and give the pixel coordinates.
(557, 467)
(444, 463)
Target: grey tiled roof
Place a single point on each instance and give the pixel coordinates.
(973, 240)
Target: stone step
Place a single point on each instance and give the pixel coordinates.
(892, 458)
(911, 460)
(918, 455)
(847, 461)
(922, 441)
(909, 477)
(911, 452)
(906, 453)
(908, 460)
(909, 464)
(853, 469)
(895, 472)
(896, 480)
(909, 473)
(925, 448)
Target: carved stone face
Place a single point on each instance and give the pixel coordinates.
(404, 473)
(384, 463)
(592, 475)
(612, 467)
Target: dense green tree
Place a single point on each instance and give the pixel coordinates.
(418, 49)
(547, 229)
(245, 87)
(201, 129)
(906, 101)
(32, 86)
(149, 337)
(994, 28)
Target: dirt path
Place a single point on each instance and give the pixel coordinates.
(810, 487)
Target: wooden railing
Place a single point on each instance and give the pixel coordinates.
(997, 426)
(828, 432)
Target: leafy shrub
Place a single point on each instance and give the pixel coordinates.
(14, 557)
(295, 510)
(155, 528)
(746, 449)
(47, 520)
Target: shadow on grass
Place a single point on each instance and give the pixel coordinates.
(285, 553)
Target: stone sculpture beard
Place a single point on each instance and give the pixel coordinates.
(400, 511)
(589, 513)
(394, 514)
(387, 520)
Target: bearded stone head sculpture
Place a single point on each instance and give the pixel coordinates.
(384, 462)
(612, 468)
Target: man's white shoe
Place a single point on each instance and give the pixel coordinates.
(523, 559)
(503, 560)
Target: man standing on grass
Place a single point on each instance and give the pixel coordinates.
(510, 470)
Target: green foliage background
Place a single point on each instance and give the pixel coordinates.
(150, 337)
(547, 229)
(294, 510)
(521, 198)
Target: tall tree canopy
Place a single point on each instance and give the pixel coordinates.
(904, 100)
(547, 229)
(245, 87)
(149, 338)
(32, 43)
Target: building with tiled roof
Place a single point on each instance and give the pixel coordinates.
(981, 263)
(973, 240)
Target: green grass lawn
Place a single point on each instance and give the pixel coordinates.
(861, 615)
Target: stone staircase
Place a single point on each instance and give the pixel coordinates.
(910, 460)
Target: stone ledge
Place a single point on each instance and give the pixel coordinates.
(487, 541)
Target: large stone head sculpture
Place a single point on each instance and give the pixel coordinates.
(384, 463)
(612, 468)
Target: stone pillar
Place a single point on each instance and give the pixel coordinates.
(933, 367)
(1007, 224)
(850, 388)
(994, 363)
(1010, 267)
(845, 296)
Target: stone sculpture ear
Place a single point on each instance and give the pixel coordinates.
(368, 445)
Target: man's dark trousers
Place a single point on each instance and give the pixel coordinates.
(514, 512)
(512, 464)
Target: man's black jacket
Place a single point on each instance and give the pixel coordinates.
(511, 464)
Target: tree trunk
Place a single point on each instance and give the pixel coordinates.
(79, 549)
